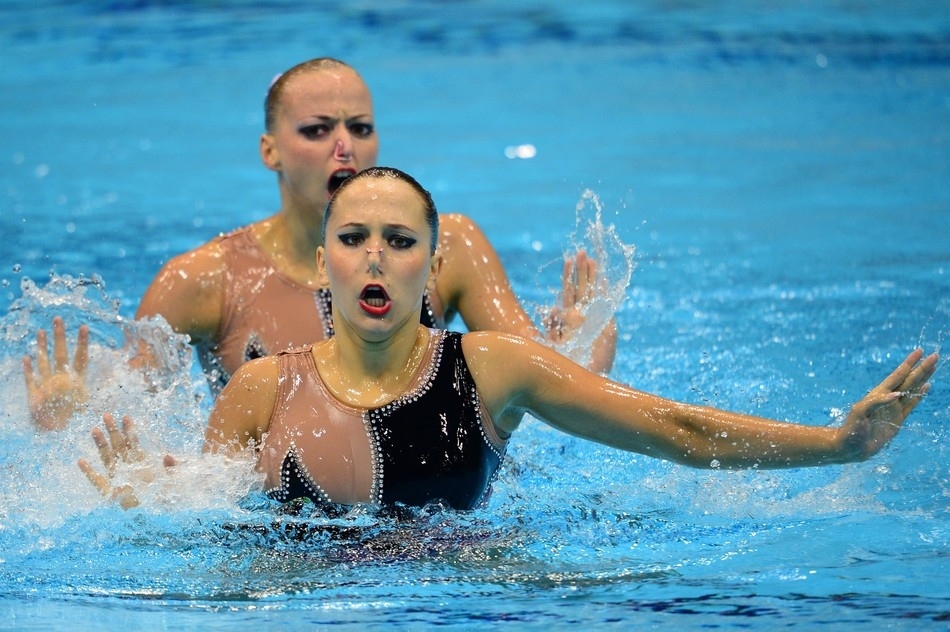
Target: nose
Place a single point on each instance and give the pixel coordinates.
(374, 257)
(343, 150)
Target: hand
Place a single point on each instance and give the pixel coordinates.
(55, 393)
(579, 285)
(121, 445)
(875, 419)
(578, 280)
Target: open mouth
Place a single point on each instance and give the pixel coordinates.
(337, 179)
(374, 300)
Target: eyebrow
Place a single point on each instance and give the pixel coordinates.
(398, 227)
(328, 118)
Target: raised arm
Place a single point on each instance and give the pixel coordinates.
(517, 376)
(578, 288)
(473, 284)
(240, 416)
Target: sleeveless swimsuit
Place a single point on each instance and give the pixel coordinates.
(435, 443)
(264, 311)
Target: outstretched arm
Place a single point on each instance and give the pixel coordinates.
(473, 282)
(240, 416)
(114, 445)
(575, 401)
(187, 292)
(874, 420)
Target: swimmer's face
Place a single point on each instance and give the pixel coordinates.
(323, 131)
(377, 258)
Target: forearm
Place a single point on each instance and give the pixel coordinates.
(697, 436)
(713, 438)
(604, 350)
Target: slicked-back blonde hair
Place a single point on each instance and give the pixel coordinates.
(276, 91)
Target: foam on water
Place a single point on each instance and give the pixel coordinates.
(43, 486)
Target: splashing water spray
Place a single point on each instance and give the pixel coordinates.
(615, 265)
(42, 485)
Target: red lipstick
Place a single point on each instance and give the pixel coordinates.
(374, 300)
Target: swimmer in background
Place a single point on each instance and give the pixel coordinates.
(255, 291)
(388, 411)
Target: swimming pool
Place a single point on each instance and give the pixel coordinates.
(783, 174)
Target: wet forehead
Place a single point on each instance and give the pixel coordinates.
(380, 200)
(327, 92)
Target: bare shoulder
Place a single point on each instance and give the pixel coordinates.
(188, 290)
(486, 346)
(243, 410)
(452, 222)
(456, 229)
(500, 362)
(510, 364)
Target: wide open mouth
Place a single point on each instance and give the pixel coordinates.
(374, 296)
(337, 179)
(375, 301)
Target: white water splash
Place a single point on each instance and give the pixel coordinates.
(615, 265)
(40, 483)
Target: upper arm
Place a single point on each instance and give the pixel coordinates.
(242, 412)
(473, 281)
(517, 376)
(188, 292)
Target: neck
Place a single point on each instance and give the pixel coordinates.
(301, 220)
(298, 232)
(291, 244)
(371, 373)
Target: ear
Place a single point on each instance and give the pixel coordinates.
(322, 268)
(435, 267)
(270, 155)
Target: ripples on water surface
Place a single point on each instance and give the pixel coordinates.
(781, 170)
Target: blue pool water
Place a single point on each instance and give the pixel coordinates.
(782, 168)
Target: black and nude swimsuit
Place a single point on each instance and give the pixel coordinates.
(435, 443)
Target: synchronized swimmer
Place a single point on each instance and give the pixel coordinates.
(389, 411)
